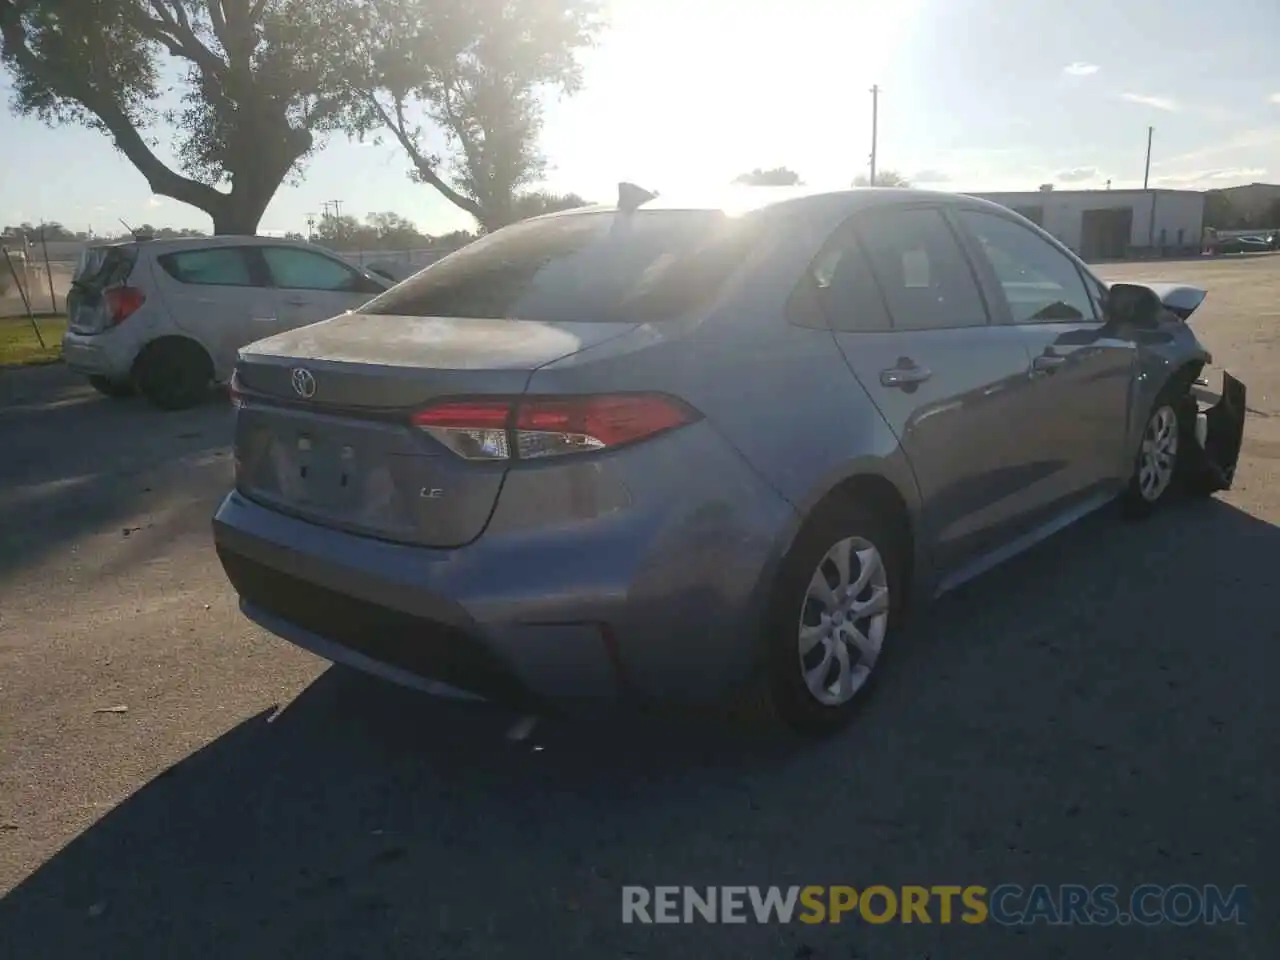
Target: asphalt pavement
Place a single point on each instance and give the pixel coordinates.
(176, 783)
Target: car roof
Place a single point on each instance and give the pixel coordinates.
(836, 204)
(181, 243)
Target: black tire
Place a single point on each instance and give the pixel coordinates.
(1143, 496)
(174, 373)
(115, 389)
(782, 695)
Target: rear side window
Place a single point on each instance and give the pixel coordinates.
(639, 267)
(296, 269)
(214, 267)
(927, 282)
(844, 285)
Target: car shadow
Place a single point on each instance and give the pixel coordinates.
(1048, 723)
(76, 462)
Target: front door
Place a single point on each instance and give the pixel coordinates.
(1083, 370)
(908, 316)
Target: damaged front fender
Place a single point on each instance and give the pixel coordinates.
(1215, 450)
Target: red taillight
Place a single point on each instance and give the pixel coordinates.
(122, 302)
(531, 428)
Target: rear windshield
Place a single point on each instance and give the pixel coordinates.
(587, 267)
(102, 267)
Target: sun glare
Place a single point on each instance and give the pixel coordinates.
(683, 95)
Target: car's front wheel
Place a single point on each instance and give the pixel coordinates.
(836, 603)
(1156, 469)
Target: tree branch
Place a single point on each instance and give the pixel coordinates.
(128, 141)
(171, 27)
(397, 127)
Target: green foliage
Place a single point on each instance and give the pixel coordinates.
(477, 71)
(884, 178)
(258, 80)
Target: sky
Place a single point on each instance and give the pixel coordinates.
(976, 95)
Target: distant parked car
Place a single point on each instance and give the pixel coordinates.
(684, 451)
(1244, 245)
(167, 317)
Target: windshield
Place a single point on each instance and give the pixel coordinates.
(585, 267)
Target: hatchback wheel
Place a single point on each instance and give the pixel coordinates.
(837, 601)
(1156, 469)
(174, 373)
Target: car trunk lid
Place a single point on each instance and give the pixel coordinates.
(100, 270)
(324, 425)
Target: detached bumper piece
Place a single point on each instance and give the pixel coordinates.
(1214, 465)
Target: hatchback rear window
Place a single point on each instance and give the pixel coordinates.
(102, 267)
(635, 267)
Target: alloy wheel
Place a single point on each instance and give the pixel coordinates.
(843, 621)
(1159, 454)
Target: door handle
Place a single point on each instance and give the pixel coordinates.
(1047, 363)
(904, 376)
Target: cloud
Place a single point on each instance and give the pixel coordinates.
(1210, 178)
(1157, 103)
(930, 176)
(1077, 175)
(1081, 69)
(1274, 98)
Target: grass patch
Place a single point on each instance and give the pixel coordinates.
(18, 343)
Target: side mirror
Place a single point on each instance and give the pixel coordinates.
(1133, 305)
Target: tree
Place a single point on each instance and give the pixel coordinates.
(260, 80)
(476, 70)
(777, 177)
(394, 232)
(538, 202)
(884, 178)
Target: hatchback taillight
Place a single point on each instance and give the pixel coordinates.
(530, 428)
(123, 302)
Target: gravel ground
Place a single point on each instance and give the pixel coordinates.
(175, 783)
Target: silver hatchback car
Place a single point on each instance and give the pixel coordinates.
(660, 450)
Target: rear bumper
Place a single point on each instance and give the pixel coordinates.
(103, 354)
(637, 604)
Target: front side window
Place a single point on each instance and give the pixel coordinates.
(1040, 283)
(639, 267)
(295, 269)
(213, 266)
(921, 269)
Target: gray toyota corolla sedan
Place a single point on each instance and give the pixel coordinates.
(664, 450)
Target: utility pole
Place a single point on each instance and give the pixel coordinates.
(875, 110)
(337, 208)
(1146, 174)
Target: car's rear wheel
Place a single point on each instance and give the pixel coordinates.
(174, 373)
(837, 601)
(1156, 469)
(116, 389)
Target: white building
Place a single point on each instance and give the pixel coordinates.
(1114, 224)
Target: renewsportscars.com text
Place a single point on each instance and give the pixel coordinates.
(1006, 904)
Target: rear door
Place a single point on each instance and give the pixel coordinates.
(311, 286)
(909, 316)
(1082, 370)
(217, 295)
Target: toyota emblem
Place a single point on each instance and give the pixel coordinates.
(304, 383)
